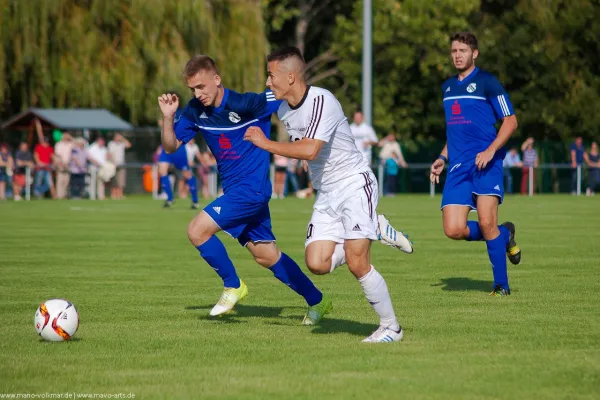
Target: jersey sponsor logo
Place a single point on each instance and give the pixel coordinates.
(203, 115)
(233, 117)
(217, 210)
(456, 108)
(472, 87)
(455, 166)
(224, 142)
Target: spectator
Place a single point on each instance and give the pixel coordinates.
(98, 157)
(62, 158)
(391, 157)
(364, 135)
(23, 160)
(116, 151)
(512, 160)
(592, 159)
(291, 177)
(78, 168)
(281, 164)
(530, 161)
(211, 164)
(193, 154)
(6, 168)
(576, 153)
(43, 154)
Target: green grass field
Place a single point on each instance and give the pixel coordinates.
(143, 295)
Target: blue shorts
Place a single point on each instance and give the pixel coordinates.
(178, 159)
(244, 215)
(464, 183)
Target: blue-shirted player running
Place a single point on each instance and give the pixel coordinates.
(474, 101)
(179, 160)
(222, 116)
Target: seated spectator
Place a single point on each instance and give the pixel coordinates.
(23, 160)
(6, 169)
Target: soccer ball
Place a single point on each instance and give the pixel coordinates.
(56, 320)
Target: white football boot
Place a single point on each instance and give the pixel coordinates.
(392, 237)
(384, 335)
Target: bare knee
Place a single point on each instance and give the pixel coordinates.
(488, 227)
(455, 232)
(199, 230)
(317, 265)
(265, 254)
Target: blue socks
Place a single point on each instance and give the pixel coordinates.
(474, 231)
(215, 255)
(497, 252)
(193, 189)
(165, 183)
(288, 272)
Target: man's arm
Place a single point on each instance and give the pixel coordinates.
(167, 135)
(305, 149)
(509, 125)
(573, 158)
(168, 103)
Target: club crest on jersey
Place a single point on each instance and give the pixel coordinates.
(471, 88)
(233, 117)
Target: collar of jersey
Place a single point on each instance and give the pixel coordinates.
(223, 101)
(297, 106)
(467, 78)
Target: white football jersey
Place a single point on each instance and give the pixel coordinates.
(320, 116)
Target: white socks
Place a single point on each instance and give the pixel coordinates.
(338, 257)
(377, 294)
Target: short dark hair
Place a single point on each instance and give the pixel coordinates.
(285, 53)
(199, 63)
(465, 37)
(358, 110)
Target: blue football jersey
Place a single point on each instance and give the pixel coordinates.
(240, 164)
(472, 107)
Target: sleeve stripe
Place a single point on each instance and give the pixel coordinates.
(317, 112)
(503, 105)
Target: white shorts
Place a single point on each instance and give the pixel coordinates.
(346, 213)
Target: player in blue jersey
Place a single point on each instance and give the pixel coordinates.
(222, 116)
(179, 160)
(474, 101)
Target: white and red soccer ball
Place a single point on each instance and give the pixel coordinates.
(56, 320)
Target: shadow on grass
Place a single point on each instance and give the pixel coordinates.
(75, 339)
(327, 325)
(462, 283)
(242, 310)
(332, 325)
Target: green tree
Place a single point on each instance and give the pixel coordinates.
(121, 54)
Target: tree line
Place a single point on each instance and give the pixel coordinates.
(120, 54)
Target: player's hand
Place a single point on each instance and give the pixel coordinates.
(484, 158)
(255, 135)
(168, 103)
(436, 170)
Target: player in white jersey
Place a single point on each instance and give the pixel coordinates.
(344, 220)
